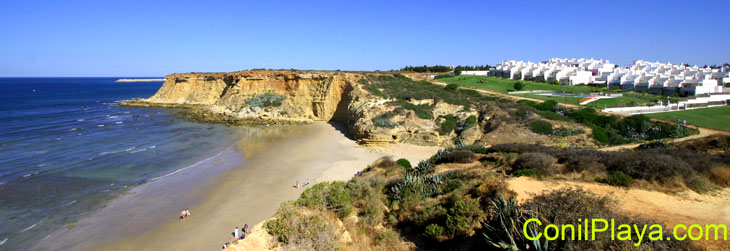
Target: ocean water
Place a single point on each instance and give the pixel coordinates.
(66, 149)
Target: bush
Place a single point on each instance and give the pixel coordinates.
(541, 127)
(459, 156)
(383, 120)
(720, 175)
(541, 163)
(451, 87)
(525, 172)
(503, 229)
(452, 185)
(331, 196)
(310, 231)
(618, 178)
(519, 85)
(464, 214)
(404, 163)
(448, 125)
(433, 231)
(265, 100)
(548, 105)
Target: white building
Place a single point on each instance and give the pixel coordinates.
(642, 76)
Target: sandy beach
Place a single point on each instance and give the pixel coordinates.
(248, 194)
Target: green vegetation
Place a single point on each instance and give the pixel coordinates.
(383, 120)
(712, 117)
(404, 89)
(265, 100)
(468, 207)
(404, 163)
(505, 85)
(541, 127)
(425, 68)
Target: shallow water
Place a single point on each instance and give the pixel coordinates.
(67, 149)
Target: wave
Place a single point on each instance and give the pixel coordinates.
(195, 164)
(99, 125)
(143, 149)
(79, 120)
(118, 122)
(28, 175)
(72, 202)
(3, 242)
(32, 226)
(130, 149)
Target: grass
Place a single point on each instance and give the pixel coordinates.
(506, 85)
(713, 117)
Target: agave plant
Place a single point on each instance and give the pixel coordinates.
(503, 229)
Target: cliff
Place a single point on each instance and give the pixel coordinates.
(378, 108)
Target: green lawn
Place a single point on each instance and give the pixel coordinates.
(713, 117)
(505, 85)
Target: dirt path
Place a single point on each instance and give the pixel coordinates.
(686, 207)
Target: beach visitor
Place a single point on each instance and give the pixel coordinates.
(306, 183)
(187, 212)
(245, 228)
(235, 233)
(297, 185)
(182, 214)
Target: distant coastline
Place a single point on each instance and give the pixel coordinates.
(140, 80)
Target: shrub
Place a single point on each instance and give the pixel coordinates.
(383, 120)
(464, 214)
(720, 175)
(265, 100)
(541, 127)
(490, 187)
(451, 186)
(331, 196)
(311, 230)
(566, 132)
(525, 172)
(548, 105)
(618, 178)
(404, 163)
(460, 156)
(451, 87)
(448, 125)
(433, 231)
(519, 85)
(541, 163)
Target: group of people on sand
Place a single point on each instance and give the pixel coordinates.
(239, 235)
(303, 185)
(185, 213)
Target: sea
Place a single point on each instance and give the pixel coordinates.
(67, 149)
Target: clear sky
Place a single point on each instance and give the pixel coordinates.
(154, 38)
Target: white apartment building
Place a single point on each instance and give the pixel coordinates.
(653, 77)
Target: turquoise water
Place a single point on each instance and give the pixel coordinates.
(66, 149)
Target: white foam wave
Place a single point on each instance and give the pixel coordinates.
(72, 202)
(28, 175)
(99, 125)
(181, 169)
(118, 122)
(151, 147)
(3, 242)
(32, 226)
(143, 149)
(79, 120)
(130, 149)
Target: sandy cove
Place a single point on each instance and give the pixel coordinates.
(252, 193)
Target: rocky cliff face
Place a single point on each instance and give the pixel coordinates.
(269, 97)
(306, 96)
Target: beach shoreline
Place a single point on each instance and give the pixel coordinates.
(249, 193)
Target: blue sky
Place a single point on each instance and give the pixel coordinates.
(154, 38)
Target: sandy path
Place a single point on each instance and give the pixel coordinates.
(686, 207)
(253, 192)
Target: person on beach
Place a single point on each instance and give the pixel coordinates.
(306, 183)
(235, 233)
(297, 185)
(245, 228)
(182, 214)
(187, 212)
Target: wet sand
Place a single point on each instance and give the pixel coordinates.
(248, 194)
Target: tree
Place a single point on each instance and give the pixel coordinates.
(519, 85)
